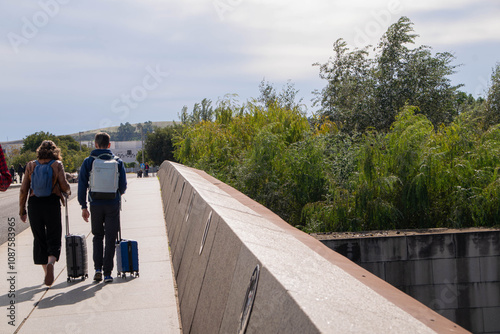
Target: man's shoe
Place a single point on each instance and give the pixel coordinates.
(98, 276)
(108, 279)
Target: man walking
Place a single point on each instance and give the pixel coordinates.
(103, 175)
(20, 172)
(12, 172)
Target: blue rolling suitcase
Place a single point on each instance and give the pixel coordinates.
(127, 257)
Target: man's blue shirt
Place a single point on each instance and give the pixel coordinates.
(84, 175)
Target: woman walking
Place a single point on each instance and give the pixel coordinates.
(43, 187)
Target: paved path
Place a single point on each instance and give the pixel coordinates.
(146, 304)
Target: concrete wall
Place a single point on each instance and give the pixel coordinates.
(456, 274)
(218, 237)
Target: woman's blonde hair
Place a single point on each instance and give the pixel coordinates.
(48, 150)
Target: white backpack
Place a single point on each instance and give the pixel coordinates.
(104, 177)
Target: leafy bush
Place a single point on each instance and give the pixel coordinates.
(369, 159)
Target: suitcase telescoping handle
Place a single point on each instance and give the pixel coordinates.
(119, 234)
(67, 216)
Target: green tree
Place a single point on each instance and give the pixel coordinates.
(130, 164)
(335, 212)
(22, 159)
(492, 105)
(71, 153)
(375, 188)
(147, 127)
(125, 132)
(206, 110)
(466, 103)
(202, 112)
(413, 76)
(268, 94)
(33, 141)
(184, 115)
(304, 178)
(287, 98)
(73, 159)
(159, 144)
(406, 144)
(68, 142)
(139, 156)
(348, 97)
(260, 172)
(363, 92)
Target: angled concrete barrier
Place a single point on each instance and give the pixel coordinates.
(241, 269)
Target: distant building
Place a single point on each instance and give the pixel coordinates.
(126, 150)
(9, 147)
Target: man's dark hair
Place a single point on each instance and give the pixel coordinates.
(102, 139)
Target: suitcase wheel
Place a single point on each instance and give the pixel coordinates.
(68, 280)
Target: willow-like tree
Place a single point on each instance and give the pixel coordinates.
(364, 92)
(492, 105)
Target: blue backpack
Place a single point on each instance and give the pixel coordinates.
(41, 179)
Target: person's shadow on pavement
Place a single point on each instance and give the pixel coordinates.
(75, 295)
(22, 295)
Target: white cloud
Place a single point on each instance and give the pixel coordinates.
(433, 5)
(470, 30)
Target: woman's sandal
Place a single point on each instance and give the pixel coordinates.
(49, 276)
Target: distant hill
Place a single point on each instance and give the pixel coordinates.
(89, 134)
(12, 142)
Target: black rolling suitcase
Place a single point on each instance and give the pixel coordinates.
(76, 252)
(127, 256)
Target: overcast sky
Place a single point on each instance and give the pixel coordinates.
(68, 66)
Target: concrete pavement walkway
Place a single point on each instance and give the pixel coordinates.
(146, 304)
